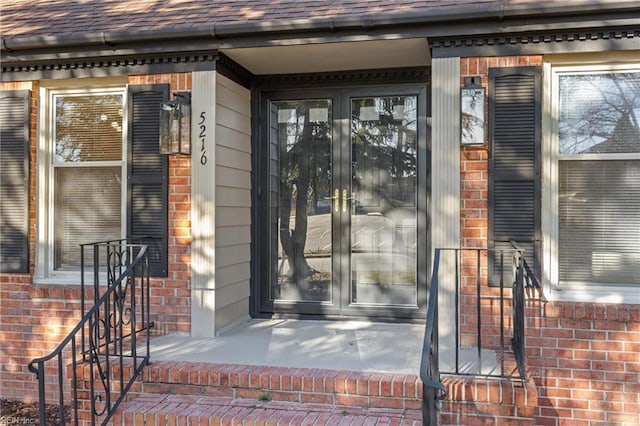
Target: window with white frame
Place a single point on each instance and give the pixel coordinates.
(85, 173)
(596, 179)
(100, 173)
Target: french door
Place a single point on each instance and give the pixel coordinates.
(343, 210)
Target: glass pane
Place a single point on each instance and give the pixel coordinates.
(599, 113)
(301, 168)
(87, 209)
(88, 128)
(383, 200)
(599, 224)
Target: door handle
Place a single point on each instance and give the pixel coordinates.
(344, 201)
(336, 201)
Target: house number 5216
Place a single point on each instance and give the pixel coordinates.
(202, 135)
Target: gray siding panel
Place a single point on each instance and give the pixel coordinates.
(233, 202)
(233, 120)
(240, 234)
(231, 216)
(231, 275)
(232, 158)
(233, 197)
(234, 310)
(233, 97)
(235, 178)
(233, 139)
(240, 253)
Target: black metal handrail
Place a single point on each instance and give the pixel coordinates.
(102, 340)
(433, 391)
(468, 268)
(525, 281)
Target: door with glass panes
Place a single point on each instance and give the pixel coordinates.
(343, 213)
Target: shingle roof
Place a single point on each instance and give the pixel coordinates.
(43, 18)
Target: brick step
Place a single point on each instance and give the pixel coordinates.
(485, 400)
(302, 385)
(164, 409)
(207, 393)
(168, 388)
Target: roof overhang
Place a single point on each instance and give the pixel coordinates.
(345, 56)
(336, 44)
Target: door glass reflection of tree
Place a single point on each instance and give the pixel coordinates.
(383, 208)
(302, 146)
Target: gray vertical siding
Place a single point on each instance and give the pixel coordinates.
(203, 210)
(445, 182)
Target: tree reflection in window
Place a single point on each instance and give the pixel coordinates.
(304, 200)
(599, 113)
(384, 151)
(88, 128)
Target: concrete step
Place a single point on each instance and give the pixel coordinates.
(164, 409)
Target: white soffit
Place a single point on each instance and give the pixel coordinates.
(343, 56)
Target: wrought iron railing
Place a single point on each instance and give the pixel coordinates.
(482, 321)
(525, 283)
(433, 391)
(100, 356)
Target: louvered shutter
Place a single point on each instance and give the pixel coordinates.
(14, 183)
(147, 186)
(514, 167)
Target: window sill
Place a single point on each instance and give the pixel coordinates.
(590, 294)
(69, 278)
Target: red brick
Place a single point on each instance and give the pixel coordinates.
(316, 398)
(352, 400)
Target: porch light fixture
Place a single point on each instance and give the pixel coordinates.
(472, 112)
(175, 125)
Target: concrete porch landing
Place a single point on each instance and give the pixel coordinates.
(336, 345)
(282, 372)
(315, 373)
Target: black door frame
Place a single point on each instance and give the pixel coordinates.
(261, 304)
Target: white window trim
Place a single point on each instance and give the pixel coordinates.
(551, 288)
(44, 272)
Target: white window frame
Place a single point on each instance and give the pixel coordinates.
(45, 191)
(550, 189)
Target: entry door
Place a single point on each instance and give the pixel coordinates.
(344, 212)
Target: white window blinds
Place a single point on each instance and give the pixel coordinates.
(88, 173)
(88, 128)
(599, 178)
(599, 222)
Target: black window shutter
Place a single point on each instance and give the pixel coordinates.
(147, 186)
(14, 183)
(514, 168)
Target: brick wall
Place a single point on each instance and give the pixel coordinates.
(35, 318)
(584, 358)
